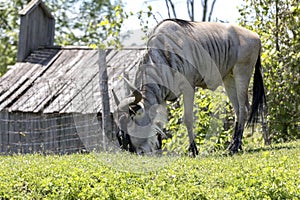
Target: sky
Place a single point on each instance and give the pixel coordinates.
(225, 10)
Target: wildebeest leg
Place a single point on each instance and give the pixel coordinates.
(230, 87)
(236, 143)
(188, 101)
(242, 74)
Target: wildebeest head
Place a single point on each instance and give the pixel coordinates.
(139, 123)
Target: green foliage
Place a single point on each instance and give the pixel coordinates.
(9, 26)
(111, 27)
(212, 113)
(271, 173)
(79, 25)
(84, 22)
(112, 23)
(144, 17)
(277, 23)
(76, 24)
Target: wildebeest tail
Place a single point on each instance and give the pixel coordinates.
(258, 98)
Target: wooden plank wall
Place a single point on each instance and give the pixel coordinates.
(66, 82)
(4, 129)
(48, 133)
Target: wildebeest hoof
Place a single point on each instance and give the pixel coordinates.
(235, 146)
(193, 149)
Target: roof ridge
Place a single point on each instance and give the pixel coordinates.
(74, 47)
(33, 4)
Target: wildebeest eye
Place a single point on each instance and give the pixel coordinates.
(135, 110)
(139, 113)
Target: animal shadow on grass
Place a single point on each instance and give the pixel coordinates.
(271, 147)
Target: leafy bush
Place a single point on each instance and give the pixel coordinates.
(277, 23)
(213, 122)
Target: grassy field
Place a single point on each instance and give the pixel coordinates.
(264, 173)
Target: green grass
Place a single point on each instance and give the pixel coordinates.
(263, 173)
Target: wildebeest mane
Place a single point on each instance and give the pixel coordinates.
(187, 25)
(181, 22)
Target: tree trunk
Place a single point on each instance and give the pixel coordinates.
(204, 5)
(172, 6)
(211, 10)
(277, 26)
(190, 8)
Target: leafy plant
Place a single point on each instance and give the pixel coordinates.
(213, 121)
(277, 23)
(111, 27)
(76, 24)
(9, 32)
(260, 173)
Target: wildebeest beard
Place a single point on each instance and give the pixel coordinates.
(140, 132)
(141, 123)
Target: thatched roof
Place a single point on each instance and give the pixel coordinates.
(64, 80)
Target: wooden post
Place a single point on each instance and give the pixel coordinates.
(127, 88)
(106, 119)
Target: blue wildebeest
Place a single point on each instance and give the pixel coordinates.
(180, 56)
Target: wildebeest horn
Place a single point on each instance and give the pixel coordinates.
(115, 97)
(136, 93)
(124, 104)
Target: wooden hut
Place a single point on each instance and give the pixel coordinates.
(50, 99)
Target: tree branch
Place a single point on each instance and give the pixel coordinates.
(168, 8)
(204, 4)
(211, 10)
(173, 8)
(277, 26)
(190, 8)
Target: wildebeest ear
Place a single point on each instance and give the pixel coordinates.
(124, 104)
